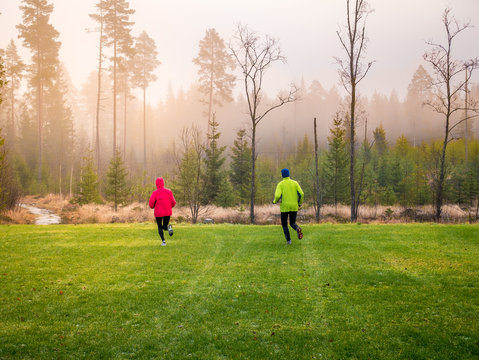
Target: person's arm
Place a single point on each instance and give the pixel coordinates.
(172, 200)
(277, 194)
(152, 201)
(300, 194)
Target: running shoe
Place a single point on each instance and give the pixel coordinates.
(300, 233)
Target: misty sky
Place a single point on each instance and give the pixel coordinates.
(306, 30)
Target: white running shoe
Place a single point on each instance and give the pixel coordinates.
(170, 230)
(163, 243)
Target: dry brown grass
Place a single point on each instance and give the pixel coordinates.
(18, 215)
(265, 214)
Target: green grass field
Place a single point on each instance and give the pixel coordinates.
(239, 292)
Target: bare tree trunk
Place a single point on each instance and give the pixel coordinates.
(114, 95)
(13, 110)
(318, 203)
(466, 130)
(253, 166)
(40, 132)
(442, 171)
(144, 128)
(60, 180)
(98, 95)
(352, 156)
(210, 107)
(71, 182)
(124, 120)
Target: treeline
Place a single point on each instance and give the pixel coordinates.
(202, 172)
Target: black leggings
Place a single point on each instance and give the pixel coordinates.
(292, 222)
(162, 225)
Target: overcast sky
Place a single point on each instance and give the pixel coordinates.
(306, 29)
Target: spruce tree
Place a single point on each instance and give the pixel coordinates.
(88, 187)
(336, 167)
(240, 175)
(41, 38)
(214, 160)
(117, 187)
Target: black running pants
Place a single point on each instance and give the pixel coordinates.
(292, 222)
(162, 223)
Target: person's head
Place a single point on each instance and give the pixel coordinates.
(285, 172)
(160, 183)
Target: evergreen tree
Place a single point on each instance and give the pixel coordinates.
(14, 68)
(40, 37)
(336, 167)
(216, 83)
(267, 178)
(214, 160)
(380, 142)
(241, 166)
(225, 196)
(117, 26)
(88, 187)
(9, 191)
(59, 131)
(145, 62)
(117, 188)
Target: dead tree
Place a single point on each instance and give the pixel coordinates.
(448, 82)
(351, 71)
(317, 208)
(255, 56)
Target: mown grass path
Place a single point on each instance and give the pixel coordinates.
(239, 292)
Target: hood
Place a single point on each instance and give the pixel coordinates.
(160, 183)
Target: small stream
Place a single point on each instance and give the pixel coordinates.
(42, 216)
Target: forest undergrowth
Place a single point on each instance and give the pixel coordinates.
(264, 214)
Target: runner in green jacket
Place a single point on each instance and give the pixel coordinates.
(291, 196)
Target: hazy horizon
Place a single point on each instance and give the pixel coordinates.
(306, 30)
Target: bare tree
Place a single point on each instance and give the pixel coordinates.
(447, 83)
(255, 56)
(351, 71)
(190, 170)
(317, 207)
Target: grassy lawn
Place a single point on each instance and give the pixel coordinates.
(239, 292)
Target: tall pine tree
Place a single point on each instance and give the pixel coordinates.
(216, 83)
(144, 64)
(41, 38)
(118, 36)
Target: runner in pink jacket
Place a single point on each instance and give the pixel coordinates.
(162, 200)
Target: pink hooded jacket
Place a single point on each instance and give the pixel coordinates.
(162, 199)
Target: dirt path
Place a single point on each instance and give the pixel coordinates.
(42, 216)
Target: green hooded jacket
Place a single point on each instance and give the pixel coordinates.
(290, 193)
